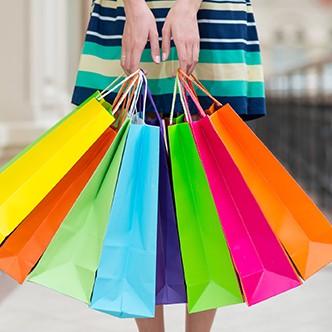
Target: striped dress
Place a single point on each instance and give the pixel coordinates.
(229, 62)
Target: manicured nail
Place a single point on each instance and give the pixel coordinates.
(157, 59)
(173, 74)
(164, 56)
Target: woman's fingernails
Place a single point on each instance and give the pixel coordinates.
(173, 74)
(157, 59)
(164, 56)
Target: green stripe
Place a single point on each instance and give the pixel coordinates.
(234, 88)
(205, 56)
(165, 85)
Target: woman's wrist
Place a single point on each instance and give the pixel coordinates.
(133, 6)
(192, 5)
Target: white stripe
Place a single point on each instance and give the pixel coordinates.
(219, 40)
(226, 22)
(211, 40)
(93, 33)
(107, 18)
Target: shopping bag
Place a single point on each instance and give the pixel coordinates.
(263, 266)
(70, 261)
(301, 227)
(22, 249)
(170, 284)
(303, 230)
(27, 180)
(125, 284)
(209, 273)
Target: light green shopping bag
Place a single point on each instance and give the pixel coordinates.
(70, 262)
(209, 273)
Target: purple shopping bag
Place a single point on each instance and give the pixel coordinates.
(170, 284)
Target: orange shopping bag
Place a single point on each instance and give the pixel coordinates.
(301, 227)
(23, 248)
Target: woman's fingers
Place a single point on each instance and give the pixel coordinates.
(135, 57)
(154, 43)
(182, 55)
(194, 58)
(140, 26)
(181, 24)
(166, 42)
(125, 58)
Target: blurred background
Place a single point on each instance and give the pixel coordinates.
(41, 44)
(296, 39)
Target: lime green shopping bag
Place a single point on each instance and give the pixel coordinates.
(209, 273)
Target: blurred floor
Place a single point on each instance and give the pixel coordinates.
(31, 307)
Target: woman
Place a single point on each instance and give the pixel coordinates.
(215, 39)
(218, 38)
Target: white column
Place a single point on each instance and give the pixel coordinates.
(41, 44)
(49, 39)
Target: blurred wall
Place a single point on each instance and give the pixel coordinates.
(293, 32)
(41, 43)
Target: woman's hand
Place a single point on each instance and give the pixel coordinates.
(140, 27)
(181, 24)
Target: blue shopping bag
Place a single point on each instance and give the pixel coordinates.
(126, 277)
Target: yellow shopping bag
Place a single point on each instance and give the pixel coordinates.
(30, 176)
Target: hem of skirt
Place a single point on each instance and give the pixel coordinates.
(79, 97)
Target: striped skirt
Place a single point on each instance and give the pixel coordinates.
(229, 62)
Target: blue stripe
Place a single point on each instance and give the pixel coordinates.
(207, 30)
(225, 15)
(229, 46)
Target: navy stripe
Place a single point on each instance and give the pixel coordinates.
(225, 15)
(227, 31)
(109, 12)
(247, 108)
(229, 46)
(207, 30)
